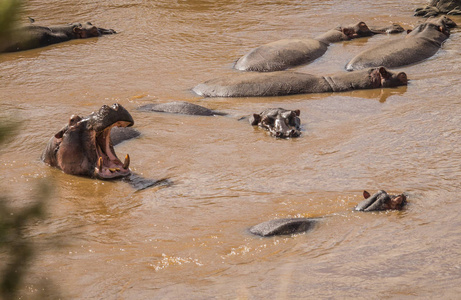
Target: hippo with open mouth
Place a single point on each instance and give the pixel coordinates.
(84, 146)
(280, 122)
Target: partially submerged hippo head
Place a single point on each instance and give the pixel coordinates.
(381, 77)
(279, 122)
(88, 30)
(84, 147)
(381, 201)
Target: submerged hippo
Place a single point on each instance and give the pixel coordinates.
(181, 107)
(381, 201)
(32, 36)
(287, 53)
(283, 226)
(421, 43)
(290, 83)
(84, 147)
(280, 122)
(436, 7)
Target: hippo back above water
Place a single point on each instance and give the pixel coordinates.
(287, 53)
(289, 83)
(421, 43)
(436, 7)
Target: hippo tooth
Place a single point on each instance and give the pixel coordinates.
(112, 170)
(126, 164)
(100, 163)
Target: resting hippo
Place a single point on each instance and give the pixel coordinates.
(421, 43)
(279, 122)
(181, 107)
(84, 147)
(30, 37)
(435, 7)
(289, 83)
(287, 53)
(381, 201)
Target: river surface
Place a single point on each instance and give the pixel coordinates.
(189, 240)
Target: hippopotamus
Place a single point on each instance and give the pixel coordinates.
(287, 53)
(378, 202)
(283, 226)
(84, 146)
(280, 122)
(421, 43)
(381, 201)
(436, 7)
(288, 83)
(32, 36)
(181, 107)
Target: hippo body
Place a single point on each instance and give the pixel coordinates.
(436, 7)
(290, 83)
(283, 226)
(421, 43)
(84, 147)
(287, 53)
(32, 36)
(181, 107)
(280, 122)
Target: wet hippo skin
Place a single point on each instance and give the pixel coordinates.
(381, 201)
(436, 7)
(287, 53)
(281, 83)
(180, 107)
(378, 202)
(283, 226)
(84, 147)
(280, 122)
(32, 36)
(421, 43)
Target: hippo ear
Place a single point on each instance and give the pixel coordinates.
(402, 77)
(348, 32)
(399, 200)
(384, 73)
(363, 26)
(366, 194)
(77, 30)
(255, 119)
(60, 133)
(297, 112)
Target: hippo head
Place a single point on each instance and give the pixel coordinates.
(84, 147)
(280, 122)
(381, 201)
(88, 30)
(356, 31)
(381, 77)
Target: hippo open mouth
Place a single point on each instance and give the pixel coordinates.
(108, 164)
(84, 146)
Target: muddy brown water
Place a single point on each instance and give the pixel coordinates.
(189, 240)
